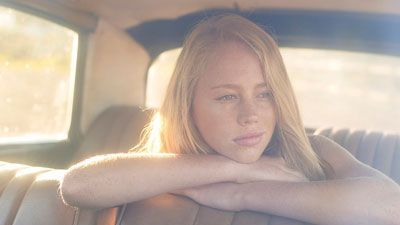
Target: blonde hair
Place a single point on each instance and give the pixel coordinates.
(172, 128)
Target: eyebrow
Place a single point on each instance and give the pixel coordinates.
(234, 86)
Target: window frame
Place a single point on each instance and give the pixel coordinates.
(74, 134)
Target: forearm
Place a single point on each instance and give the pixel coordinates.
(115, 179)
(348, 201)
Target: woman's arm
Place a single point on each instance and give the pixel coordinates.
(358, 194)
(347, 201)
(114, 179)
(109, 180)
(356, 201)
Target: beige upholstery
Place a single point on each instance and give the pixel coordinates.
(116, 69)
(7, 172)
(116, 130)
(30, 196)
(14, 192)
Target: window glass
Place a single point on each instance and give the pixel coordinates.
(333, 88)
(346, 89)
(37, 74)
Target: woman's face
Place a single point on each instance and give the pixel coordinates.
(232, 107)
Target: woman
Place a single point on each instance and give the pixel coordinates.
(229, 135)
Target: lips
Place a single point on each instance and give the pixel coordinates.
(249, 139)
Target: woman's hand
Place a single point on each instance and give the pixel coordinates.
(223, 196)
(269, 168)
(227, 195)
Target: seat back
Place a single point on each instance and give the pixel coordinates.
(169, 209)
(117, 129)
(30, 195)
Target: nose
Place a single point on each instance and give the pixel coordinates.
(247, 113)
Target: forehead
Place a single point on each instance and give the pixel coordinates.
(233, 62)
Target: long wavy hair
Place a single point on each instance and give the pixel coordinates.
(172, 128)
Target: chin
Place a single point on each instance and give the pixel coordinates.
(241, 155)
(246, 158)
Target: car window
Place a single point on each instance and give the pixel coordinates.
(37, 74)
(334, 88)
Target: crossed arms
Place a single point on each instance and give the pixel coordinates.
(358, 194)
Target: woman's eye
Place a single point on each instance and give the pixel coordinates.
(227, 98)
(265, 95)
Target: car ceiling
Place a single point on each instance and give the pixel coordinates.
(127, 13)
(364, 32)
(159, 25)
(356, 25)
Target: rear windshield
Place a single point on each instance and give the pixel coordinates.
(333, 88)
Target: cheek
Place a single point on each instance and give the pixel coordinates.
(213, 123)
(268, 121)
(270, 116)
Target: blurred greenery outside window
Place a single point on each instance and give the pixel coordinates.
(37, 76)
(333, 88)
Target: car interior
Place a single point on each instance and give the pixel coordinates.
(119, 45)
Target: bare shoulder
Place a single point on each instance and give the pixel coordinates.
(323, 145)
(340, 159)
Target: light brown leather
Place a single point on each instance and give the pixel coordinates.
(14, 192)
(30, 196)
(116, 130)
(169, 209)
(7, 172)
